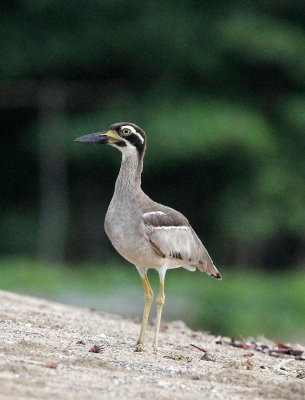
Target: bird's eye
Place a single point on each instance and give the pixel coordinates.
(126, 131)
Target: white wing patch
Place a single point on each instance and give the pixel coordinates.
(177, 243)
(132, 129)
(153, 213)
(171, 227)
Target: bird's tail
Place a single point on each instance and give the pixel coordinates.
(209, 268)
(205, 263)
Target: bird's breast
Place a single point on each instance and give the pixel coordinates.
(122, 227)
(125, 231)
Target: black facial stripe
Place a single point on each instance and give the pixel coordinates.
(121, 144)
(118, 126)
(135, 140)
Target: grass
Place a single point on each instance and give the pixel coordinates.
(244, 303)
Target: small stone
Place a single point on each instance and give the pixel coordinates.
(237, 365)
(249, 365)
(95, 349)
(164, 384)
(51, 365)
(208, 357)
(301, 374)
(195, 377)
(178, 357)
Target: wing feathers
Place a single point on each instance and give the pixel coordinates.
(172, 237)
(156, 248)
(159, 219)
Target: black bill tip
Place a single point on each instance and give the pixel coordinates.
(93, 138)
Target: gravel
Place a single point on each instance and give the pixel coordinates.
(53, 351)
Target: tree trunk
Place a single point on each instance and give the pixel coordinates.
(53, 174)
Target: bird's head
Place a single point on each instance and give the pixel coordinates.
(125, 136)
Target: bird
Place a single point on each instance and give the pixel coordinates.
(147, 234)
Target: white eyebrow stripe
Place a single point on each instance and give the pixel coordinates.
(129, 127)
(133, 131)
(154, 213)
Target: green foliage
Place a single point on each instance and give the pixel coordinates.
(265, 39)
(219, 88)
(186, 129)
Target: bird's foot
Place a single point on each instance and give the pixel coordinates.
(139, 347)
(155, 349)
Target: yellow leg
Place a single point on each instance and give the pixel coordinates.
(160, 301)
(148, 298)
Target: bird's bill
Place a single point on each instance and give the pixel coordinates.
(107, 137)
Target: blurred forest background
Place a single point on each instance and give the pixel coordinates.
(219, 89)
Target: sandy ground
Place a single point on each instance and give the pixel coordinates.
(44, 354)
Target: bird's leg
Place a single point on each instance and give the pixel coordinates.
(148, 298)
(160, 301)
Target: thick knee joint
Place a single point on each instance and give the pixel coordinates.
(160, 300)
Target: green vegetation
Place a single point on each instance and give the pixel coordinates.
(219, 89)
(244, 303)
(218, 86)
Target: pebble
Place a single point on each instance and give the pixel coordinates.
(208, 357)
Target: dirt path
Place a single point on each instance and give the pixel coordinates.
(44, 354)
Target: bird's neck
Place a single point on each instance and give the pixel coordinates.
(129, 179)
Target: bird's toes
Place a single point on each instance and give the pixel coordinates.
(155, 349)
(139, 347)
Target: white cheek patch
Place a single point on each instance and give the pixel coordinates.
(132, 129)
(128, 150)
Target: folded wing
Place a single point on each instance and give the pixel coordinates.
(171, 236)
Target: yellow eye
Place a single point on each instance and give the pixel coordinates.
(126, 131)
